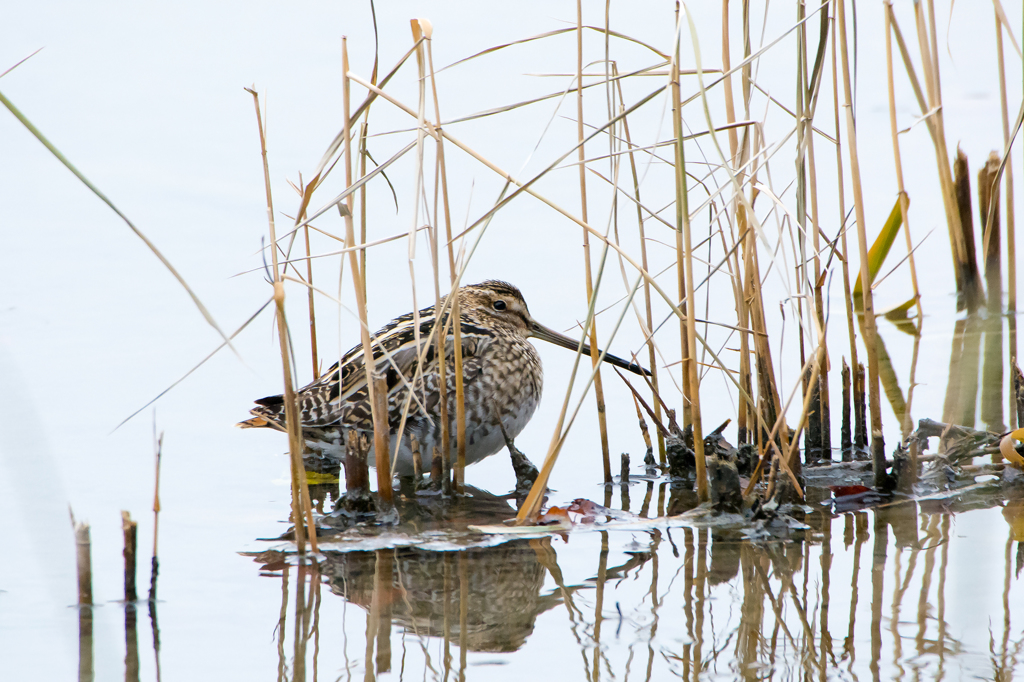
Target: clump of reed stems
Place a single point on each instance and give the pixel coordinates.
(739, 194)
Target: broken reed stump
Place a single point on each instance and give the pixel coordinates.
(131, 640)
(83, 561)
(84, 566)
(1018, 393)
(130, 529)
(846, 434)
(860, 414)
(812, 434)
(624, 468)
(988, 203)
(970, 293)
(357, 473)
(382, 453)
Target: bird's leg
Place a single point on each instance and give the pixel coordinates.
(526, 472)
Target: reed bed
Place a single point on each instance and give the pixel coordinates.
(727, 196)
(706, 213)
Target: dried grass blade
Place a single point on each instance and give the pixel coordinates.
(95, 190)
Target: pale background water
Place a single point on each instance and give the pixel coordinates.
(148, 103)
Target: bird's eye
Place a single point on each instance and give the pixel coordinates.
(499, 305)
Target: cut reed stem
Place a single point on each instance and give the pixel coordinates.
(130, 529)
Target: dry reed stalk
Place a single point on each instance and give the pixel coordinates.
(158, 445)
(381, 431)
(846, 434)
(301, 506)
(841, 201)
(898, 160)
(684, 263)
(421, 33)
(312, 313)
(588, 276)
(380, 395)
(966, 269)
(730, 108)
(739, 211)
(1011, 237)
(868, 327)
(907, 423)
(130, 530)
(460, 401)
(647, 323)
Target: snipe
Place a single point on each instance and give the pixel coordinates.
(502, 378)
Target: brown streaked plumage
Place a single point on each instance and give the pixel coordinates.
(502, 378)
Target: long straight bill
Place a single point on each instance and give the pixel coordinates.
(539, 331)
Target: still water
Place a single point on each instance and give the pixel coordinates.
(148, 103)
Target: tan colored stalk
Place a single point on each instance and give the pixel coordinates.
(381, 432)
(904, 199)
(967, 277)
(907, 424)
(683, 238)
(456, 314)
(868, 328)
(739, 213)
(841, 201)
(1011, 238)
(730, 109)
(648, 323)
(312, 314)
(588, 276)
(681, 218)
(154, 565)
(302, 511)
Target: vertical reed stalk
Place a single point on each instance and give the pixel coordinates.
(841, 197)
(1011, 237)
(158, 445)
(869, 331)
(594, 351)
(907, 424)
(381, 432)
(648, 323)
(301, 507)
(683, 234)
(897, 158)
(740, 216)
(421, 32)
(312, 314)
(966, 269)
(456, 314)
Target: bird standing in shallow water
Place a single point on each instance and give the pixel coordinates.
(502, 379)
